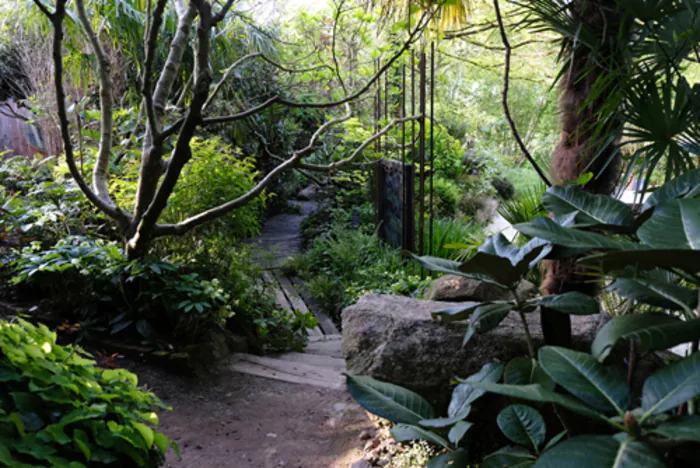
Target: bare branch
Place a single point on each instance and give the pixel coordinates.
(109, 209)
(294, 70)
(240, 115)
(506, 109)
(359, 150)
(151, 44)
(222, 13)
(43, 9)
(99, 173)
(213, 213)
(225, 76)
(333, 53)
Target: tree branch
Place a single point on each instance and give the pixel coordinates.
(99, 173)
(43, 9)
(225, 76)
(240, 115)
(506, 109)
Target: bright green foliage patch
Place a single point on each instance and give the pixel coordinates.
(58, 409)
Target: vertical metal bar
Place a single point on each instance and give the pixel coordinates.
(432, 139)
(421, 155)
(402, 149)
(413, 127)
(386, 109)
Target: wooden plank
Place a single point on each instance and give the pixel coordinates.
(280, 298)
(286, 371)
(324, 321)
(295, 300)
(317, 360)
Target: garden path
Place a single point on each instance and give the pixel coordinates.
(268, 411)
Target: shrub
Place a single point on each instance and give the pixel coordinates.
(504, 188)
(446, 196)
(59, 409)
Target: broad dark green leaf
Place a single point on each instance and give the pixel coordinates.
(525, 371)
(675, 224)
(674, 188)
(465, 394)
(573, 303)
(601, 387)
(592, 209)
(457, 432)
(645, 259)
(486, 318)
(656, 292)
(407, 432)
(599, 451)
(538, 393)
(672, 386)
(650, 331)
(523, 425)
(685, 429)
(439, 423)
(456, 459)
(511, 457)
(455, 313)
(546, 229)
(504, 262)
(389, 401)
(450, 267)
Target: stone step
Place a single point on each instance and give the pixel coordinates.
(317, 360)
(287, 371)
(328, 345)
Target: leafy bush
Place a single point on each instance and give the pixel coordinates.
(504, 188)
(446, 196)
(58, 408)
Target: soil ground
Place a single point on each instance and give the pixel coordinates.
(235, 420)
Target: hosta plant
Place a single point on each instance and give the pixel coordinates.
(58, 409)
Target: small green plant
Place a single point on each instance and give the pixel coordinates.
(58, 409)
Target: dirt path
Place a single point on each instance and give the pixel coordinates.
(235, 420)
(231, 419)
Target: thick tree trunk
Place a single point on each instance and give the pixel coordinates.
(576, 152)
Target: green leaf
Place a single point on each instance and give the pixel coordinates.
(161, 442)
(656, 292)
(650, 331)
(407, 432)
(80, 438)
(538, 393)
(146, 432)
(457, 432)
(591, 209)
(456, 313)
(675, 188)
(685, 429)
(439, 423)
(671, 386)
(441, 265)
(573, 303)
(511, 457)
(599, 451)
(547, 229)
(675, 224)
(465, 394)
(456, 459)
(389, 401)
(522, 425)
(486, 318)
(601, 387)
(525, 371)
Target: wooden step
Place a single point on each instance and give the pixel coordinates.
(287, 371)
(317, 360)
(329, 345)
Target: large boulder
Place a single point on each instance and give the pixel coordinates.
(453, 288)
(310, 193)
(395, 339)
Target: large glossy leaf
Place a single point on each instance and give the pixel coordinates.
(650, 331)
(685, 429)
(456, 459)
(672, 386)
(574, 303)
(486, 318)
(674, 225)
(599, 451)
(458, 431)
(511, 457)
(525, 371)
(645, 259)
(579, 373)
(504, 262)
(591, 209)
(546, 229)
(455, 313)
(465, 394)
(389, 401)
(442, 265)
(523, 425)
(540, 394)
(407, 432)
(676, 188)
(656, 292)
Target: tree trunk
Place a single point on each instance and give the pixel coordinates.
(577, 149)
